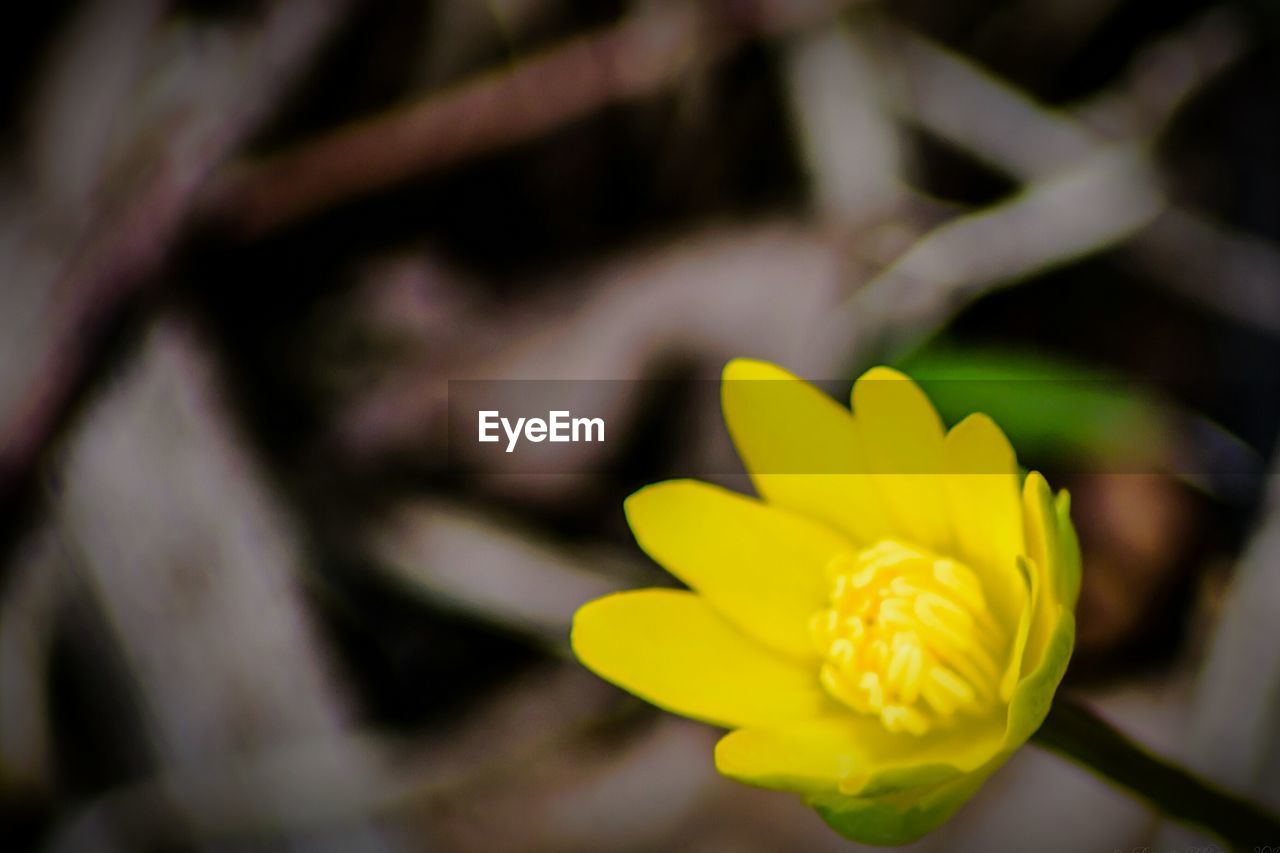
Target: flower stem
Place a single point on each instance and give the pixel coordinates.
(1079, 734)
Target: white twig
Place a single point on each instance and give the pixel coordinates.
(1231, 274)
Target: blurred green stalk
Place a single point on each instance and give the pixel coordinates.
(1077, 733)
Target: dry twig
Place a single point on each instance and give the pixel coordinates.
(639, 57)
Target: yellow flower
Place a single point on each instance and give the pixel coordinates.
(880, 630)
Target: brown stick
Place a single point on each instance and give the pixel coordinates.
(636, 58)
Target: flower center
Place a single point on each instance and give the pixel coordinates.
(908, 637)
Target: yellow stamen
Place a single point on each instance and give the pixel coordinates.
(909, 638)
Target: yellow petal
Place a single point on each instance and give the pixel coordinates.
(985, 509)
(854, 754)
(1028, 586)
(806, 760)
(903, 440)
(1034, 693)
(1040, 519)
(671, 649)
(801, 449)
(763, 568)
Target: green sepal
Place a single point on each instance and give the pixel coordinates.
(900, 818)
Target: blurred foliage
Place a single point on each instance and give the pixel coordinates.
(1082, 418)
(1051, 408)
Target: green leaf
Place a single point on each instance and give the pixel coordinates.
(1055, 410)
(1048, 407)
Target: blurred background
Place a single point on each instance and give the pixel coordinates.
(249, 601)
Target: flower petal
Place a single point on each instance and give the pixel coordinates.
(855, 755)
(903, 440)
(763, 568)
(801, 449)
(806, 760)
(1044, 548)
(1055, 583)
(670, 648)
(1034, 694)
(982, 494)
(1028, 582)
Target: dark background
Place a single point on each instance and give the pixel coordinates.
(245, 599)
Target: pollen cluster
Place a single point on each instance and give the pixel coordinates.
(908, 637)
